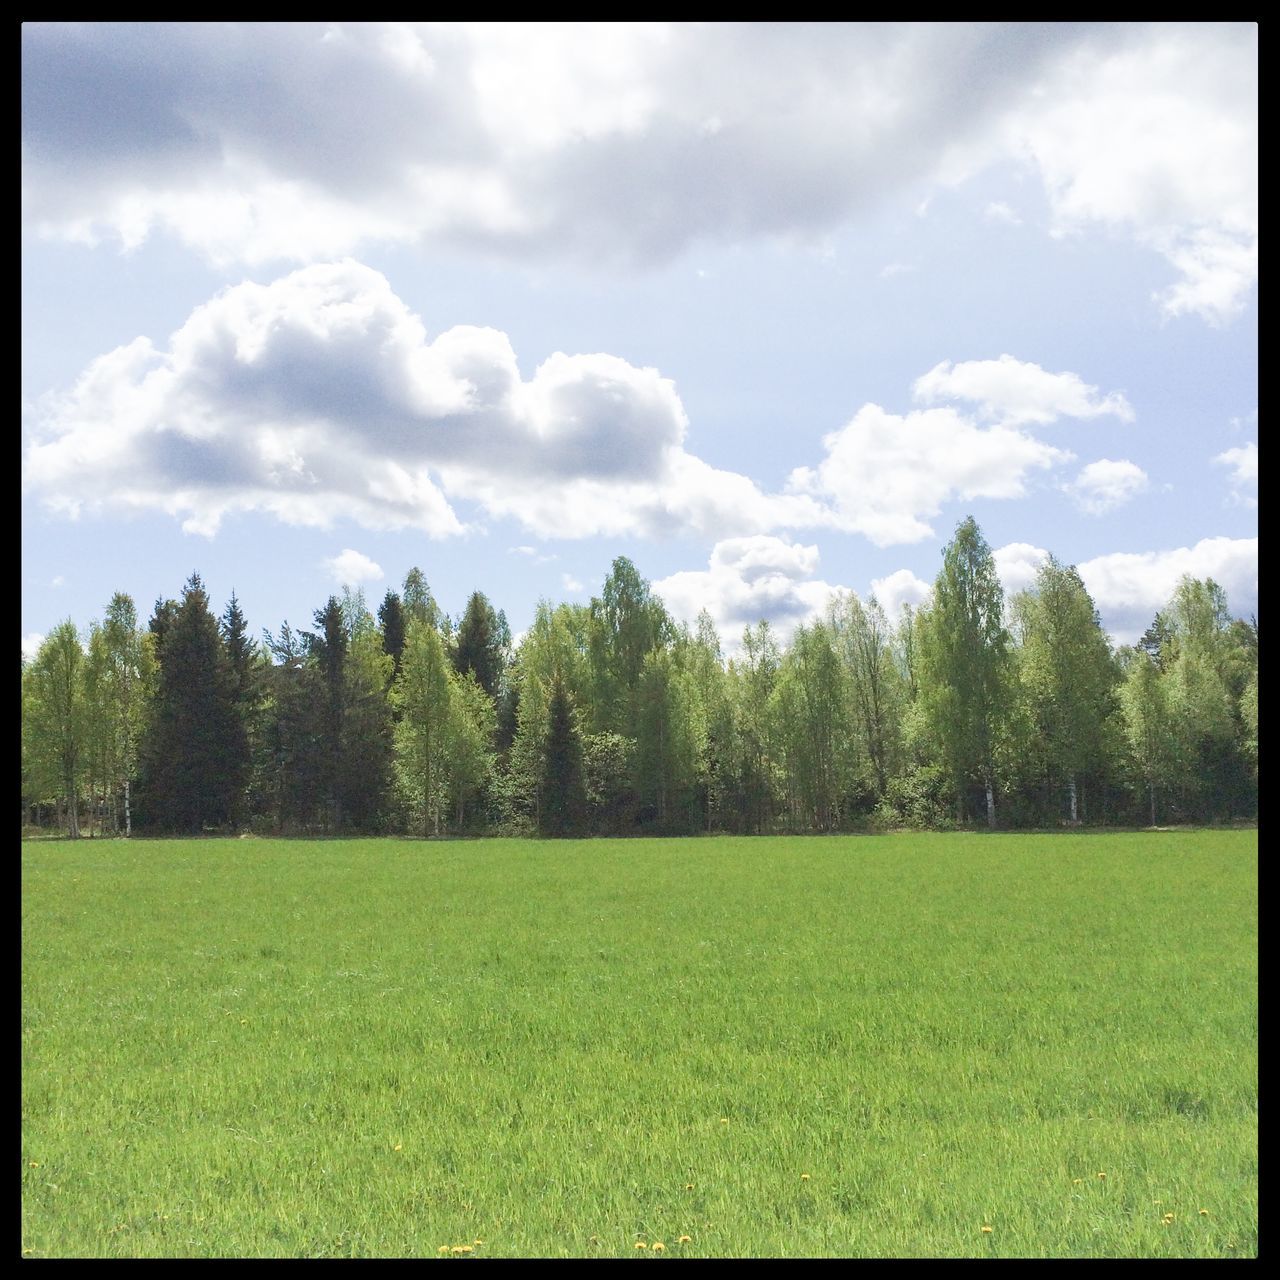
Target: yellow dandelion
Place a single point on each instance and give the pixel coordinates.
(461, 1248)
(444, 1248)
(1168, 1217)
(688, 1186)
(986, 1231)
(1103, 1176)
(398, 1147)
(804, 1177)
(35, 1164)
(595, 1239)
(724, 1119)
(640, 1244)
(1157, 1202)
(244, 1022)
(659, 1247)
(1076, 1181)
(685, 1240)
(1205, 1212)
(479, 1241)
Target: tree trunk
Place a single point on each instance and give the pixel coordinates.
(1152, 787)
(1071, 792)
(991, 804)
(128, 816)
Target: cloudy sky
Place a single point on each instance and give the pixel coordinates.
(768, 309)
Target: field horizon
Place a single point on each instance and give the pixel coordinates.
(852, 1046)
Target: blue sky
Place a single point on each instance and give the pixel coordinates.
(768, 309)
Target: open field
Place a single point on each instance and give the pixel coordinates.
(861, 1046)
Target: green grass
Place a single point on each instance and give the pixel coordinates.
(382, 1048)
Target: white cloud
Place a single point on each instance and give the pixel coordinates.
(571, 584)
(351, 568)
(1157, 135)
(747, 580)
(1243, 464)
(900, 588)
(883, 472)
(998, 211)
(611, 142)
(1130, 588)
(1015, 392)
(1017, 563)
(58, 581)
(319, 395)
(1104, 485)
(31, 643)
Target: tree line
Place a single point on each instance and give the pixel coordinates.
(613, 718)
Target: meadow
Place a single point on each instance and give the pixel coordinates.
(905, 1045)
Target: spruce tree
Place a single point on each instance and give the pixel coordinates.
(561, 795)
(196, 752)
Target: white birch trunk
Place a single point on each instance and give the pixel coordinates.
(1071, 791)
(991, 804)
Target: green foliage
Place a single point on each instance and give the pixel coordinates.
(562, 801)
(965, 674)
(480, 644)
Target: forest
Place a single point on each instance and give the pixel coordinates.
(613, 718)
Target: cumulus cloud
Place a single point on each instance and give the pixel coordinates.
(1242, 463)
(1017, 563)
(611, 142)
(320, 396)
(1156, 133)
(571, 584)
(351, 568)
(1016, 392)
(1130, 588)
(884, 472)
(1104, 485)
(748, 580)
(898, 589)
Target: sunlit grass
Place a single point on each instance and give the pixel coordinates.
(791, 1047)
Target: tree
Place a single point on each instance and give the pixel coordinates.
(1148, 727)
(329, 651)
(289, 761)
(479, 644)
(418, 602)
(670, 741)
(421, 693)
(196, 750)
(965, 676)
(1067, 673)
(751, 679)
(561, 795)
(391, 619)
(627, 622)
(54, 708)
(367, 740)
(809, 703)
(864, 641)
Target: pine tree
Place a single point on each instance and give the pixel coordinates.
(391, 620)
(478, 645)
(196, 751)
(561, 795)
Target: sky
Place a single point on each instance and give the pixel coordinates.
(768, 309)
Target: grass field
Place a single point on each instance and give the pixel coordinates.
(869, 1046)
